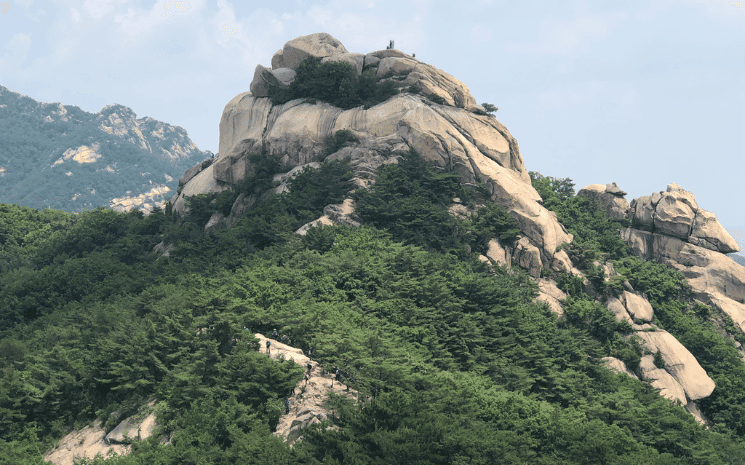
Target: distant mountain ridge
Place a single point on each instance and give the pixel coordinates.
(737, 258)
(59, 156)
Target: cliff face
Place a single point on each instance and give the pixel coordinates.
(455, 134)
(54, 155)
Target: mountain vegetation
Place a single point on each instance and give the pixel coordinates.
(454, 360)
(334, 82)
(125, 156)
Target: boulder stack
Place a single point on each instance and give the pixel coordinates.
(671, 228)
(455, 134)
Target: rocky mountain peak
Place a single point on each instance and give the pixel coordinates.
(433, 114)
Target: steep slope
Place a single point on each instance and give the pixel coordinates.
(54, 155)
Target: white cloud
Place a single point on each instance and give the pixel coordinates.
(569, 37)
(16, 49)
(480, 34)
(320, 16)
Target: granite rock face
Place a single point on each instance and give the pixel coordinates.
(675, 213)
(455, 135)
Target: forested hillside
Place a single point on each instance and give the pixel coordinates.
(453, 359)
(59, 156)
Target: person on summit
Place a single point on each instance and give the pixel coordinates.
(275, 334)
(268, 344)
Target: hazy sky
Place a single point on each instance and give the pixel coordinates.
(643, 93)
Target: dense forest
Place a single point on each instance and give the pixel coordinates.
(454, 361)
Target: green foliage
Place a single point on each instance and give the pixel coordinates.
(453, 359)
(339, 140)
(489, 108)
(411, 200)
(334, 82)
(659, 362)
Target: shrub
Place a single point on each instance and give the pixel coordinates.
(489, 108)
(336, 83)
(659, 362)
(340, 139)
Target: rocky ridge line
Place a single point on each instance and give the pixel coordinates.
(308, 400)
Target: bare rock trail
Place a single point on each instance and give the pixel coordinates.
(308, 399)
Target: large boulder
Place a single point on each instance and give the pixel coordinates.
(317, 45)
(551, 295)
(707, 232)
(637, 306)
(265, 78)
(667, 384)
(680, 363)
(675, 213)
(642, 212)
(357, 60)
(609, 197)
(203, 183)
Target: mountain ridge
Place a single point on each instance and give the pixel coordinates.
(54, 155)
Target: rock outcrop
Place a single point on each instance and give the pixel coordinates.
(675, 213)
(682, 378)
(456, 135)
(307, 405)
(92, 440)
(610, 198)
(671, 228)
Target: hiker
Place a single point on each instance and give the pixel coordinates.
(268, 343)
(337, 376)
(275, 334)
(287, 406)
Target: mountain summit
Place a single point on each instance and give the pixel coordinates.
(428, 111)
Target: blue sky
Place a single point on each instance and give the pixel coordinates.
(643, 93)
